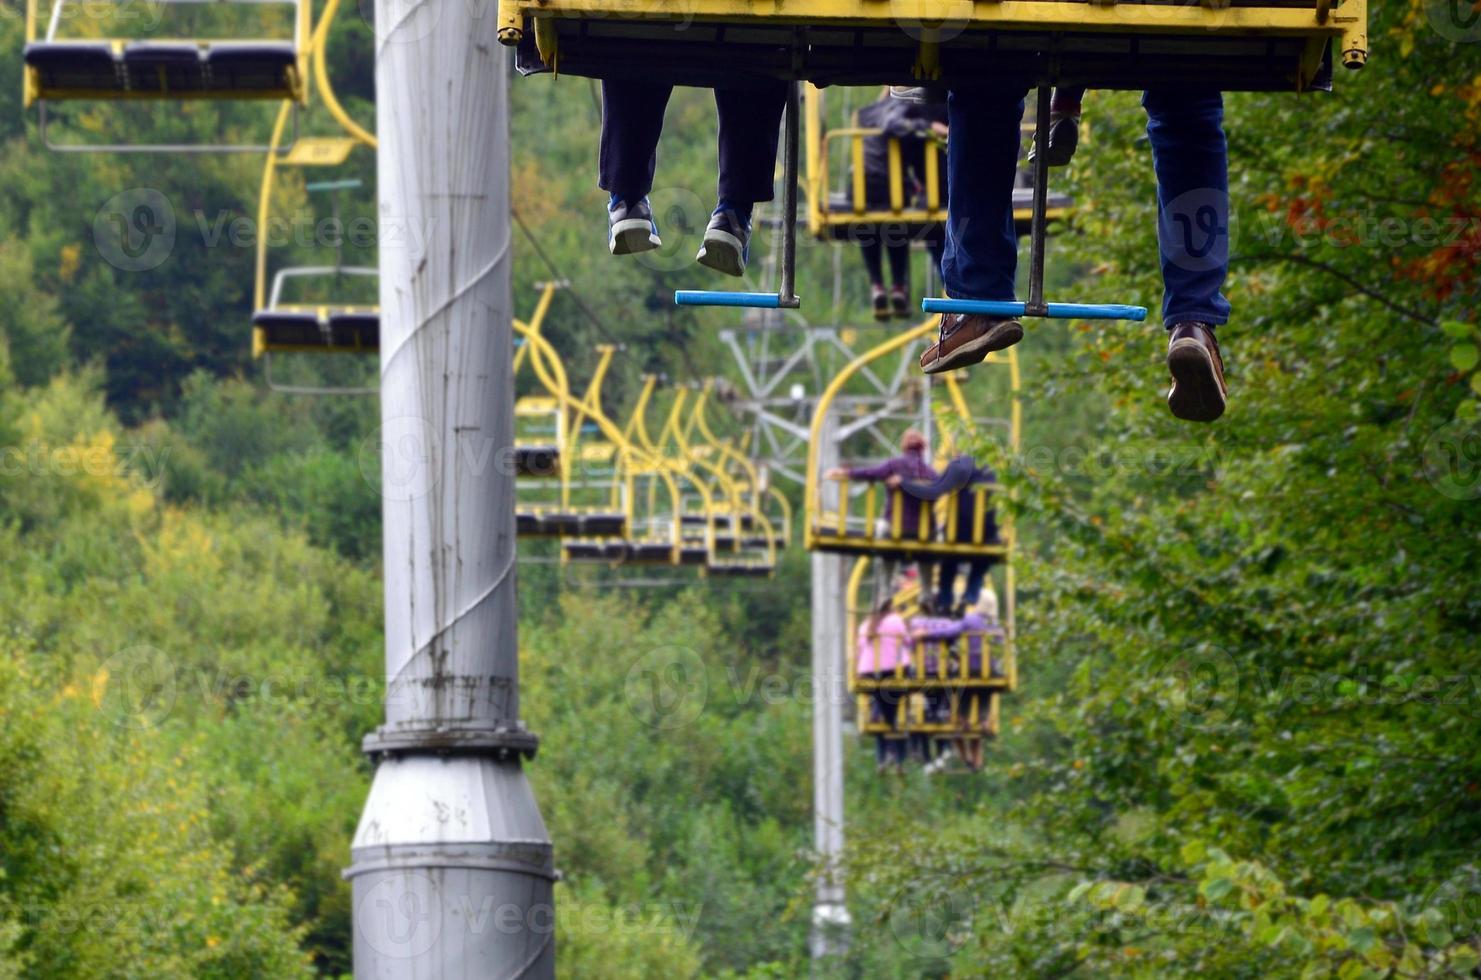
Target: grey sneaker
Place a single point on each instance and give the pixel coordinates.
(727, 243)
(630, 227)
(919, 94)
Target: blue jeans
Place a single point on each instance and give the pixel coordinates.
(1189, 154)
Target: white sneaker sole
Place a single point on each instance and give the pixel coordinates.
(632, 235)
(722, 252)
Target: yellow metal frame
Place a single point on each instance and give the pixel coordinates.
(827, 529)
(307, 151)
(911, 719)
(298, 76)
(748, 484)
(1346, 23)
(630, 463)
(820, 524)
(821, 219)
(549, 407)
(722, 498)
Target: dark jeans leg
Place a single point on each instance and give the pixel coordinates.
(632, 121)
(750, 127)
(947, 571)
(976, 572)
(899, 253)
(1191, 156)
(982, 159)
(873, 260)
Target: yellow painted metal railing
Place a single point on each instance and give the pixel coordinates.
(940, 691)
(858, 527)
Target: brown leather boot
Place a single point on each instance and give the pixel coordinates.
(1198, 392)
(967, 338)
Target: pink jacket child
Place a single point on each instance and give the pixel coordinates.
(884, 644)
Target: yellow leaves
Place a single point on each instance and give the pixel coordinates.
(180, 543)
(140, 502)
(1438, 89)
(99, 687)
(70, 261)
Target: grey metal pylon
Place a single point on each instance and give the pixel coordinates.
(452, 866)
(831, 922)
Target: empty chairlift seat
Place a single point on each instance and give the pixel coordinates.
(316, 329)
(323, 328)
(112, 68)
(541, 523)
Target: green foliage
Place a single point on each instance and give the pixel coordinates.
(1245, 745)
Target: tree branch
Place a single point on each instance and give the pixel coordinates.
(1355, 284)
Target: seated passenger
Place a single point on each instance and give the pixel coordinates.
(883, 645)
(920, 129)
(1064, 116)
(632, 121)
(909, 465)
(962, 476)
(969, 637)
(1191, 158)
(934, 637)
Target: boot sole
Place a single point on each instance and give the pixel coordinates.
(723, 253)
(1195, 395)
(632, 235)
(1001, 337)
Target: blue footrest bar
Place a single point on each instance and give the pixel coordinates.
(704, 297)
(1057, 311)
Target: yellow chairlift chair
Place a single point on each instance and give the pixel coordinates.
(575, 505)
(1253, 45)
(91, 53)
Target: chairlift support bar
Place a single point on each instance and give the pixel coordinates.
(1036, 307)
(786, 298)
